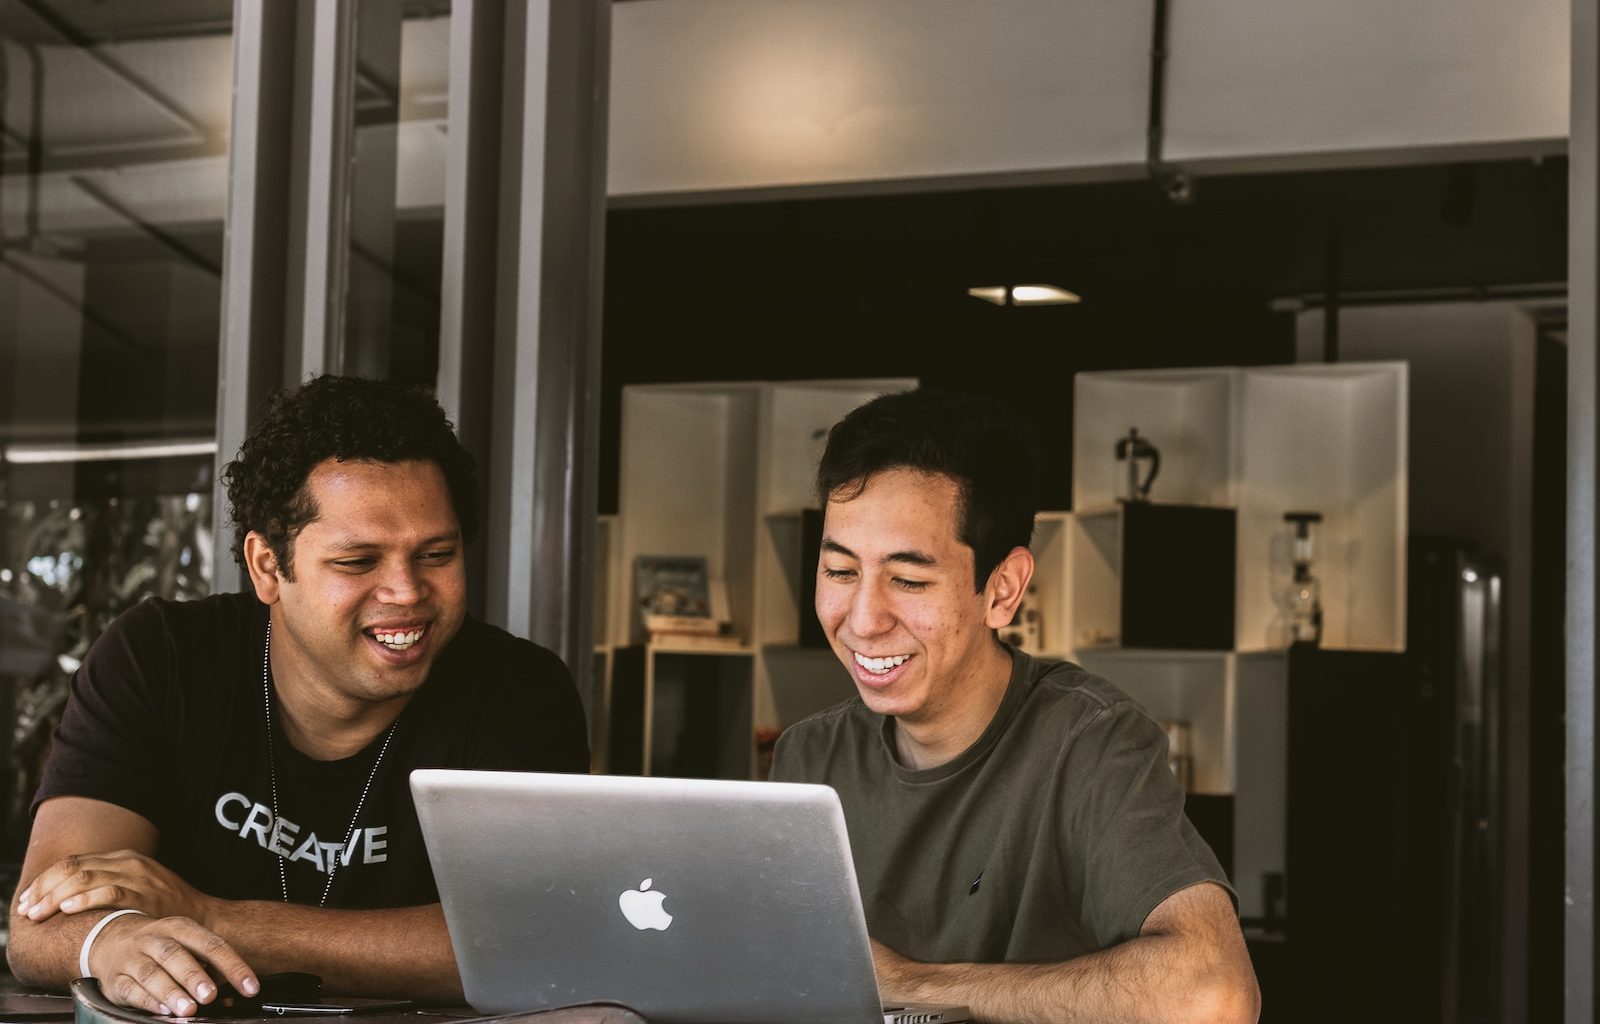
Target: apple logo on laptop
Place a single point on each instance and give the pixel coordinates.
(643, 909)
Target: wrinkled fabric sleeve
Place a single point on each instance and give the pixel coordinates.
(108, 745)
(1125, 820)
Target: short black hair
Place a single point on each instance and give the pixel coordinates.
(342, 418)
(992, 456)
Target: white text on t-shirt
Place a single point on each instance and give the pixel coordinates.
(239, 814)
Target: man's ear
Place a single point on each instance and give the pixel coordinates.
(1007, 586)
(262, 565)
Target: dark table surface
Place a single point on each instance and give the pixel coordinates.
(22, 1005)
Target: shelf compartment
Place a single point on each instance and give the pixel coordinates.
(1187, 414)
(698, 709)
(687, 487)
(1328, 439)
(1154, 576)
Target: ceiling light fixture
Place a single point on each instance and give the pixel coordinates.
(43, 454)
(1041, 295)
(1025, 295)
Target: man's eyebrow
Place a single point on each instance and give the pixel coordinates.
(918, 558)
(354, 544)
(834, 547)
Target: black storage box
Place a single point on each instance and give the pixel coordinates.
(1178, 569)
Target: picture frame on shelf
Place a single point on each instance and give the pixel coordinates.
(676, 595)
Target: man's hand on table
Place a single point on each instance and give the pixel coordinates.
(156, 964)
(154, 960)
(1187, 964)
(120, 879)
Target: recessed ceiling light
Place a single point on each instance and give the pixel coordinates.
(1025, 295)
(1041, 295)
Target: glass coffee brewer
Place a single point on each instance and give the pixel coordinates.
(1131, 451)
(1302, 596)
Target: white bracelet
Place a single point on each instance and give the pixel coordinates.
(94, 933)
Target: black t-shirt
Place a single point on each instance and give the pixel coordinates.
(166, 718)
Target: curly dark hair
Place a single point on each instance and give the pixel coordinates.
(341, 418)
(992, 456)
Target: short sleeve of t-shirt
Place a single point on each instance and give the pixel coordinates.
(512, 702)
(112, 721)
(1125, 822)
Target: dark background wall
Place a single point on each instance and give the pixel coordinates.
(876, 285)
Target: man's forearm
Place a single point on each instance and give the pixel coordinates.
(1153, 978)
(398, 952)
(44, 954)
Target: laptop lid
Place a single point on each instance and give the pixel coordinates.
(688, 900)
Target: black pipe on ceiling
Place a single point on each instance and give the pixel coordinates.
(1176, 183)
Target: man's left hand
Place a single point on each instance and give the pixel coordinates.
(115, 880)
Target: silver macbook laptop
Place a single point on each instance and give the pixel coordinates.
(688, 900)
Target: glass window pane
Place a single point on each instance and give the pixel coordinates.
(114, 151)
(397, 191)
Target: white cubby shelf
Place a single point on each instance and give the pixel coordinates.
(1264, 441)
(724, 471)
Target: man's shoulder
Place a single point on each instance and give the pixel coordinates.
(511, 702)
(211, 613)
(808, 745)
(1067, 689)
(479, 639)
(486, 655)
(1072, 709)
(846, 716)
(182, 630)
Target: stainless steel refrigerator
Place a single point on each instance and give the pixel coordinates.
(1394, 829)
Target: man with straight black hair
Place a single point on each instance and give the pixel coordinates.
(231, 770)
(1019, 840)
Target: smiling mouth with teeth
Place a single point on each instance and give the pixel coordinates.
(398, 640)
(880, 666)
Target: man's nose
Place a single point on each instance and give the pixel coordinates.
(402, 584)
(869, 612)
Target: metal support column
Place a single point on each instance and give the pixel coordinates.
(255, 249)
(472, 240)
(321, 194)
(1583, 276)
(374, 154)
(546, 368)
(287, 226)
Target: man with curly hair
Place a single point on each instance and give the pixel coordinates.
(228, 792)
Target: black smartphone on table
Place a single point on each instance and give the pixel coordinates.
(293, 992)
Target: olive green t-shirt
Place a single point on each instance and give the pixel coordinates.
(1052, 836)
